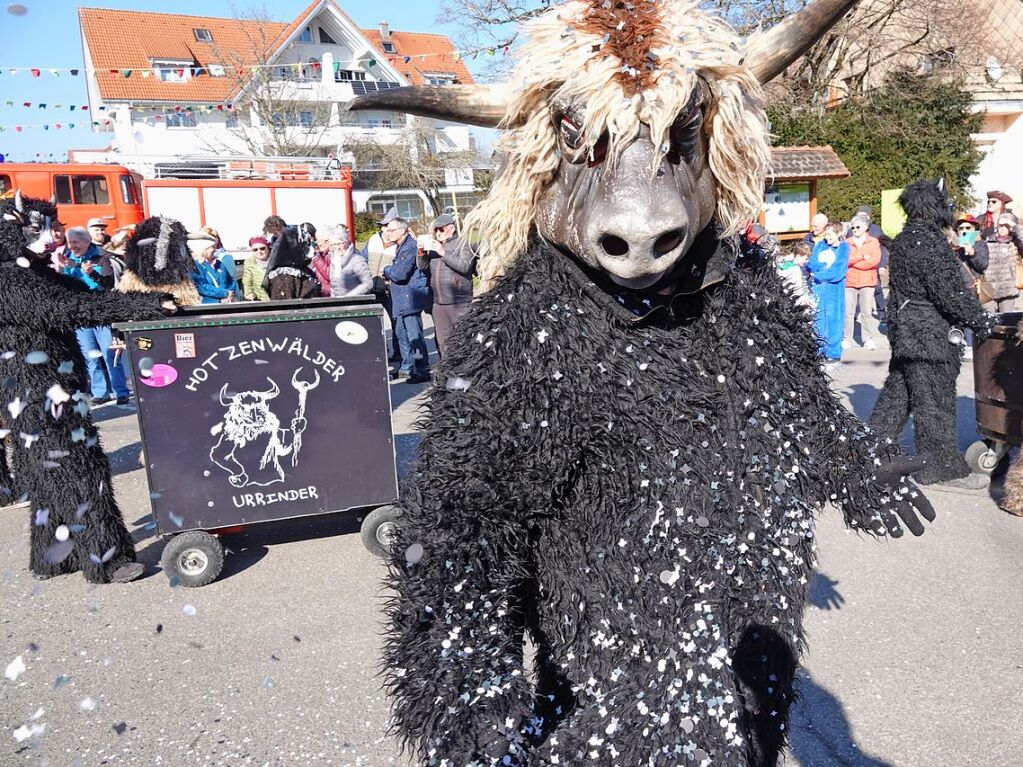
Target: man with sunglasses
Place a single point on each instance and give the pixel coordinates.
(996, 205)
(451, 263)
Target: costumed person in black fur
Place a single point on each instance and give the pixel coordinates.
(288, 274)
(631, 430)
(157, 260)
(928, 301)
(59, 465)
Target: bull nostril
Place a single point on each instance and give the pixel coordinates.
(668, 241)
(614, 246)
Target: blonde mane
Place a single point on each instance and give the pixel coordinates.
(567, 58)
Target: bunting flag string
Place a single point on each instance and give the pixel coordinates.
(220, 70)
(165, 108)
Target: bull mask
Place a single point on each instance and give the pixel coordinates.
(637, 221)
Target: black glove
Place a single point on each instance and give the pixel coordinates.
(903, 497)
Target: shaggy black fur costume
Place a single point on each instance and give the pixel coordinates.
(157, 260)
(633, 484)
(59, 465)
(287, 272)
(928, 298)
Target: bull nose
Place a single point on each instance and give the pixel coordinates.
(617, 246)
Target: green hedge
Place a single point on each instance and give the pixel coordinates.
(910, 128)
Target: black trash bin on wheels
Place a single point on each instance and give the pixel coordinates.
(256, 412)
(998, 389)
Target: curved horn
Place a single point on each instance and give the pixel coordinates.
(223, 394)
(19, 205)
(941, 184)
(483, 105)
(769, 53)
(272, 392)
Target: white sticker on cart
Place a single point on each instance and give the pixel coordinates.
(184, 345)
(351, 332)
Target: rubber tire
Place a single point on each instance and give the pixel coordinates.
(210, 547)
(375, 528)
(978, 458)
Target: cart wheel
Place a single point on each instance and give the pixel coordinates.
(195, 558)
(982, 458)
(379, 528)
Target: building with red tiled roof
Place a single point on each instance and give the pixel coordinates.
(183, 93)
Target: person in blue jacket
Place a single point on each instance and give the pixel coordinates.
(410, 297)
(212, 279)
(827, 267)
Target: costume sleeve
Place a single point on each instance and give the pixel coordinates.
(839, 453)
(462, 565)
(49, 306)
(946, 290)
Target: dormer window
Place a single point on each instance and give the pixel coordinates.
(306, 36)
(203, 35)
(173, 71)
(389, 48)
(439, 78)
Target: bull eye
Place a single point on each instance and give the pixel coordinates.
(684, 135)
(571, 134)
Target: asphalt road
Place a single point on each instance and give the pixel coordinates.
(914, 656)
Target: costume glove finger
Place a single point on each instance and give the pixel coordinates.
(907, 513)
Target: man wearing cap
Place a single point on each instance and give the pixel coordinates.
(451, 264)
(98, 231)
(379, 255)
(996, 204)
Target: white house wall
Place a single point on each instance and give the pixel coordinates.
(1000, 168)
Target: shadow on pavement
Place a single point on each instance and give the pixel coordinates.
(820, 735)
(405, 452)
(244, 549)
(863, 396)
(125, 459)
(823, 594)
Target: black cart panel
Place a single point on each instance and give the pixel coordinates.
(263, 416)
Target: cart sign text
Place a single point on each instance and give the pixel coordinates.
(268, 499)
(293, 346)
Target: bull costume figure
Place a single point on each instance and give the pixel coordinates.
(157, 260)
(928, 304)
(59, 465)
(631, 430)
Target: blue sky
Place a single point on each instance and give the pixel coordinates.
(48, 36)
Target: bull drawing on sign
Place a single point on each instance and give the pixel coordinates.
(251, 431)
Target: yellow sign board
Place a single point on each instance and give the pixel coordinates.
(893, 217)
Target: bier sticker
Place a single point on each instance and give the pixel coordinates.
(184, 345)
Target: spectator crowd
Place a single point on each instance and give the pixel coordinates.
(406, 273)
(840, 269)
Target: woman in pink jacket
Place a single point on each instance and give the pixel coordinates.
(860, 280)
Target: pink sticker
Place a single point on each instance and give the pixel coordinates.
(159, 376)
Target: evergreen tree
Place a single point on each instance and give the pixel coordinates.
(913, 127)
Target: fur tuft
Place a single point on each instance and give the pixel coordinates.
(157, 252)
(923, 201)
(566, 57)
